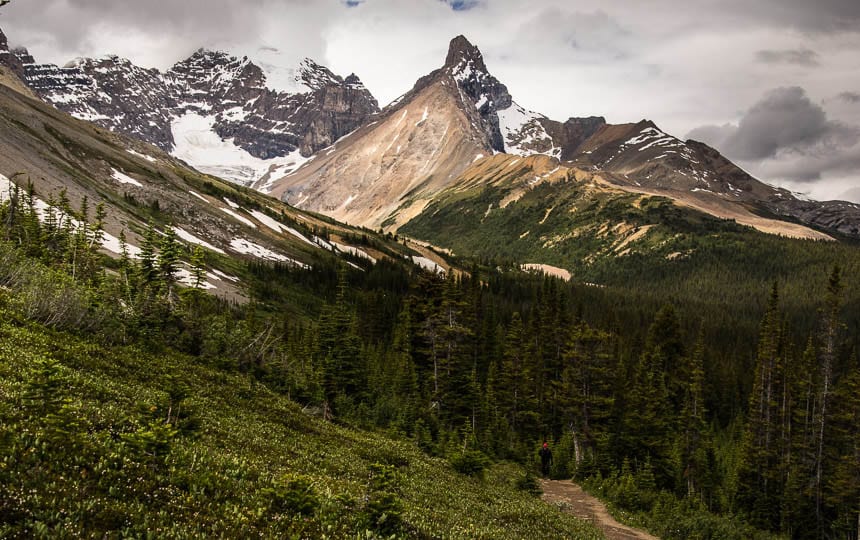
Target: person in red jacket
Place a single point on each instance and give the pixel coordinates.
(545, 459)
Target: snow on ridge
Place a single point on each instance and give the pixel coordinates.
(199, 196)
(427, 264)
(144, 156)
(353, 251)
(521, 128)
(124, 178)
(246, 247)
(190, 238)
(231, 204)
(239, 218)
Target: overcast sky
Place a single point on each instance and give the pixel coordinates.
(774, 84)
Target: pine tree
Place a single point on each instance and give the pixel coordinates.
(760, 482)
(586, 392)
(842, 484)
(694, 440)
(198, 267)
(830, 327)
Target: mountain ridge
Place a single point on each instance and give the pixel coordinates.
(266, 127)
(323, 149)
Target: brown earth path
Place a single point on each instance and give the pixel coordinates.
(573, 500)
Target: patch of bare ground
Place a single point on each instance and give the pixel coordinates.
(571, 498)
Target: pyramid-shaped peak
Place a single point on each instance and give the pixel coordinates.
(462, 51)
(4, 43)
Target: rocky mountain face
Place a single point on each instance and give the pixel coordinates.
(216, 112)
(141, 186)
(226, 95)
(641, 157)
(389, 171)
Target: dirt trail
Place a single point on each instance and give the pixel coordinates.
(573, 500)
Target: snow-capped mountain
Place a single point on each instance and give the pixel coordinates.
(320, 142)
(214, 110)
(434, 136)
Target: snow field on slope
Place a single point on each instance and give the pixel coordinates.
(239, 218)
(197, 143)
(246, 247)
(109, 241)
(124, 178)
(188, 237)
(517, 122)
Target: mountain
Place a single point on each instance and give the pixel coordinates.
(63, 158)
(212, 109)
(321, 143)
(427, 141)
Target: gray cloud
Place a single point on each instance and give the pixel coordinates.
(801, 57)
(555, 34)
(849, 97)
(72, 23)
(785, 120)
(852, 194)
(786, 135)
(818, 16)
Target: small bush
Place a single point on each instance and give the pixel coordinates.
(470, 462)
(294, 496)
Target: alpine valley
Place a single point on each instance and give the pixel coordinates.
(241, 299)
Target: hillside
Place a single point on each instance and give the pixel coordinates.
(141, 186)
(183, 356)
(237, 460)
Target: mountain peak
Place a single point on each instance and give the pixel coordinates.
(461, 51)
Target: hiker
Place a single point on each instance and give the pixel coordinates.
(545, 459)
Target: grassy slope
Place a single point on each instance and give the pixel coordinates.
(686, 255)
(213, 480)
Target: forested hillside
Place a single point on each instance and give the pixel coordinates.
(141, 404)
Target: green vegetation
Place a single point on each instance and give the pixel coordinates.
(383, 399)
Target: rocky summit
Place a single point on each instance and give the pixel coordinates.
(210, 95)
(221, 114)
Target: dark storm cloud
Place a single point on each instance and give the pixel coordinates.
(849, 97)
(784, 119)
(801, 57)
(787, 128)
(818, 16)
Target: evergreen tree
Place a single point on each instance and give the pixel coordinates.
(760, 479)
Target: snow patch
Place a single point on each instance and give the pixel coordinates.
(199, 196)
(185, 277)
(239, 218)
(190, 238)
(124, 179)
(246, 247)
(423, 118)
(521, 129)
(354, 251)
(427, 264)
(144, 156)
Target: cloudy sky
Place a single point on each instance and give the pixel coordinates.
(774, 84)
